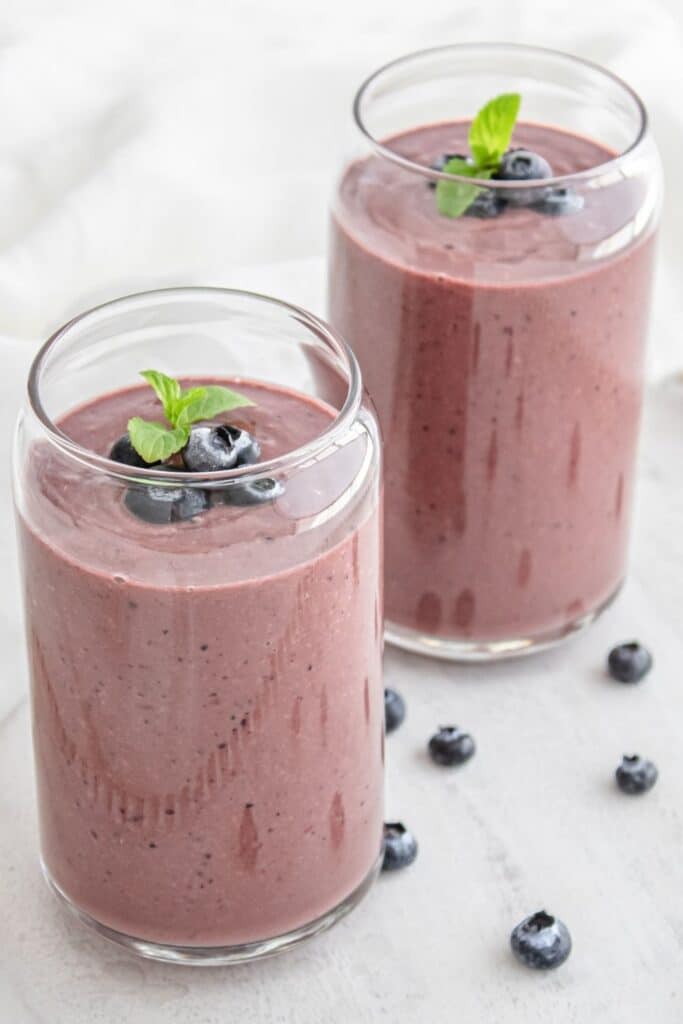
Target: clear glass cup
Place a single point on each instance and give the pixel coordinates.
(207, 699)
(504, 354)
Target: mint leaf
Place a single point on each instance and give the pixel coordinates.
(492, 128)
(166, 389)
(153, 441)
(454, 197)
(203, 403)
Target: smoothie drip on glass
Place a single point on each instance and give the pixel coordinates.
(504, 354)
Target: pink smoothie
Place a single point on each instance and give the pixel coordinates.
(207, 695)
(505, 358)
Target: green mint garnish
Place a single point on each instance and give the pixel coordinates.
(489, 138)
(155, 442)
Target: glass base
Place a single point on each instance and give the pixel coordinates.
(490, 650)
(218, 956)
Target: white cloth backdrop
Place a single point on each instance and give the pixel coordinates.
(148, 142)
(152, 142)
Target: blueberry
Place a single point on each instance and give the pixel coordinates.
(247, 447)
(394, 709)
(635, 774)
(559, 202)
(123, 451)
(629, 663)
(163, 505)
(523, 165)
(250, 492)
(441, 162)
(218, 448)
(487, 204)
(400, 847)
(541, 941)
(450, 746)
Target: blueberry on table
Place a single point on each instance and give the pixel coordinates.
(523, 165)
(394, 710)
(629, 663)
(486, 205)
(250, 492)
(122, 451)
(541, 941)
(164, 505)
(559, 202)
(400, 847)
(450, 746)
(636, 775)
(211, 449)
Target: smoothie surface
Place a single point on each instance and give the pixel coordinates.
(393, 211)
(84, 512)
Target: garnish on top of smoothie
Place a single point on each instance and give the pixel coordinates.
(492, 158)
(182, 407)
(201, 449)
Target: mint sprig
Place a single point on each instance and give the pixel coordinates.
(155, 442)
(489, 138)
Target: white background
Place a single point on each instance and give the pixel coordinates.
(155, 143)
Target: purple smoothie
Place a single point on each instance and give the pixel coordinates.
(208, 711)
(505, 359)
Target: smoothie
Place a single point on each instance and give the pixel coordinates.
(208, 710)
(505, 359)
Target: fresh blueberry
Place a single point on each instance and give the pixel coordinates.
(400, 847)
(559, 202)
(218, 448)
(523, 165)
(636, 775)
(394, 709)
(247, 447)
(250, 492)
(450, 746)
(487, 204)
(629, 663)
(541, 941)
(163, 505)
(441, 162)
(123, 451)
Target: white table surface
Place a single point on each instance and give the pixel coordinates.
(135, 143)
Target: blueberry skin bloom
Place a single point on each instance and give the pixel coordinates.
(252, 492)
(541, 941)
(523, 165)
(164, 505)
(629, 663)
(400, 847)
(450, 746)
(210, 449)
(394, 710)
(559, 202)
(636, 775)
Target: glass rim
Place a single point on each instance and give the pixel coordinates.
(339, 424)
(521, 48)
